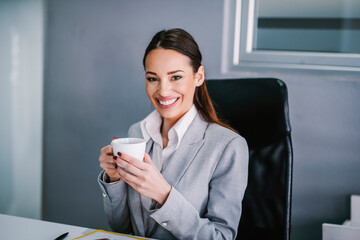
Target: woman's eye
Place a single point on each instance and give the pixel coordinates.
(150, 79)
(176, 77)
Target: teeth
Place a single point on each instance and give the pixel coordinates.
(168, 102)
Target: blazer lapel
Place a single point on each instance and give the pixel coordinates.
(184, 155)
(174, 169)
(149, 145)
(135, 200)
(135, 205)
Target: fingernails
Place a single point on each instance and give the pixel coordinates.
(115, 157)
(119, 153)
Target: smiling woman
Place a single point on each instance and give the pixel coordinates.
(171, 84)
(194, 174)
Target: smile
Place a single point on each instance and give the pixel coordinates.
(168, 103)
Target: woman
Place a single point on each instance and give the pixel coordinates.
(194, 174)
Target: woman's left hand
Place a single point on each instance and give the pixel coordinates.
(147, 179)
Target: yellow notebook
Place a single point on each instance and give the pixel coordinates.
(105, 235)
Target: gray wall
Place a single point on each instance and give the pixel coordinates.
(95, 88)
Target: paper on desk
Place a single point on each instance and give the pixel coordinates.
(105, 235)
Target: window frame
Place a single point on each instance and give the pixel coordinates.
(240, 22)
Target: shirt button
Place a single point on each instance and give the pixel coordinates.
(104, 195)
(164, 224)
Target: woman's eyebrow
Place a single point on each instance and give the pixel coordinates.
(172, 72)
(148, 72)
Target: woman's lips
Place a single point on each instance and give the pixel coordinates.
(167, 102)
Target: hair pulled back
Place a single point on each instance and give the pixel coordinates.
(181, 41)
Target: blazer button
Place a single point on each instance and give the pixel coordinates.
(104, 195)
(164, 224)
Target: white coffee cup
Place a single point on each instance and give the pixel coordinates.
(134, 147)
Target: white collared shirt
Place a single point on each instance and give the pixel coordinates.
(150, 128)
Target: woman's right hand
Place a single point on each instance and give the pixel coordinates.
(108, 163)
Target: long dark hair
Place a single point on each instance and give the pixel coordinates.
(181, 41)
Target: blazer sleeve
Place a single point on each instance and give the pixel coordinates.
(115, 196)
(226, 190)
(115, 204)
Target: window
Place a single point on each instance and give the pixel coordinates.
(306, 34)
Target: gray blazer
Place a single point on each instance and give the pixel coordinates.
(208, 174)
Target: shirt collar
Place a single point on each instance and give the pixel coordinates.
(182, 125)
(150, 127)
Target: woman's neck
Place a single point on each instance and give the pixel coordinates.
(166, 125)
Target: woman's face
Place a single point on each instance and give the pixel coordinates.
(171, 82)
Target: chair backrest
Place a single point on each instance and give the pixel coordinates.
(258, 110)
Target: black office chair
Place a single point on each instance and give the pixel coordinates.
(258, 110)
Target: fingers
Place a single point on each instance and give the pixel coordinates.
(106, 155)
(134, 166)
(108, 166)
(107, 163)
(131, 164)
(131, 160)
(134, 170)
(127, 176)
(107, 159)
(107, 150)
(147, 159)
(150, 183)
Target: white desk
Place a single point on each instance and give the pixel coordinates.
(12, 227)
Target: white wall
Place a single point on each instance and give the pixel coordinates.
(21, 80)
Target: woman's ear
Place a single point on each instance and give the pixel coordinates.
(200, 76)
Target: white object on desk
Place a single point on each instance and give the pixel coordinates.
(340, 232)
(350, 229)
(355, 210)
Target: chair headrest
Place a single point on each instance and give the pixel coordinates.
(257, 108)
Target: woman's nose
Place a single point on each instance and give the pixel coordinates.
(164, 88)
